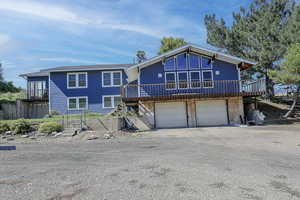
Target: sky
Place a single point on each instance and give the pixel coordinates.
(40, 34)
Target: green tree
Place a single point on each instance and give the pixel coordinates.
(170, 43)
(1, 73)
(289, 73)
(257, 33)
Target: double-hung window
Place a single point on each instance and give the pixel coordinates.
(170, 80)
(207, 77)
(77, 103)
(111, 101)
(195, 79)
(182, 80)
(112, 79)
(77, 80)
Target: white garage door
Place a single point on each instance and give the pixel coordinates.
(170, 115)
(211, 113)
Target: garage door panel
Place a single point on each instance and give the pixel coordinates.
(170, 115)
(211, 113)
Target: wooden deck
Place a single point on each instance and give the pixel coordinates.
(217, 89)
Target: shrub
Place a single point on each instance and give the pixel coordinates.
(21, 126)
(4, 127)
(49, 127)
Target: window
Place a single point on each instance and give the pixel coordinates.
(111, 79)
(195, 79)
(182, 80)
(77, 80)
(170, 64)
(194, 61)
(111, 101)
(170, 80)
(182, 61)
(207, 79)
(77, 103)
(206, 63)
(36, 89)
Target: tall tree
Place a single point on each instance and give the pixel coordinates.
(170, 43)
(1, 73)
(289, 72)
(140, 56)
(257, 33)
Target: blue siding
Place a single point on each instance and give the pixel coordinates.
(59, 92)
(150, 75)
(39, 78)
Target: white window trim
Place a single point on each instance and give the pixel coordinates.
(112, 78)
(174, 83)
(77, 80)
(190, 80)
(199, 62)
(112, 100)
(210, 68)
(212, 78)
(187, 80)
(77, 103)
(186, 62)
(175, 64)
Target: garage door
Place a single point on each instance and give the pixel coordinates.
(211, 113)
(170, 115)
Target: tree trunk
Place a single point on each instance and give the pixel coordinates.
(296, 94)
(269, 87)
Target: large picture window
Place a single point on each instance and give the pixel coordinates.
(111, 101)
(112, 79)
(194, 61)
(182, 62)
(206, 63)
(77, 103)
(170, 80)
(169, 64)
(77, 80)
(182, 80)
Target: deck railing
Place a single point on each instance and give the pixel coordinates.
(218, 88)
(37, 94)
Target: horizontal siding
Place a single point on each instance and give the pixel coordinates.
(59, 92)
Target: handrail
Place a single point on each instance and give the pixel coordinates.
(217, 87)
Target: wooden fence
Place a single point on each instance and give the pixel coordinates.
(23, 109)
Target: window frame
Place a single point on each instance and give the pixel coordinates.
(77, 80)
(211, 66)
(175, 64)
(112, 78)
(186, 62)
(77, 103)
(199, 61)
(187, 80)
(112, 99)
(175, 83)
(200, 79)
(212, 78)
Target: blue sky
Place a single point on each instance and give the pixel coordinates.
(38, 34)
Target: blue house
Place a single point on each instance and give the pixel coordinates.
(188, 87)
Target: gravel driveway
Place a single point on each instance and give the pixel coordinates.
(200, 163)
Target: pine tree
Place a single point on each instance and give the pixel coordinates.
(257, 33)
(1, 73)
(289, 72)
(170, 43)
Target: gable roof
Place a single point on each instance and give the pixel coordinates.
(197, 49)
(45, 72)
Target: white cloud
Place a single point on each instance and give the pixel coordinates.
(69, 60)
(43, 10)
(4, 39)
